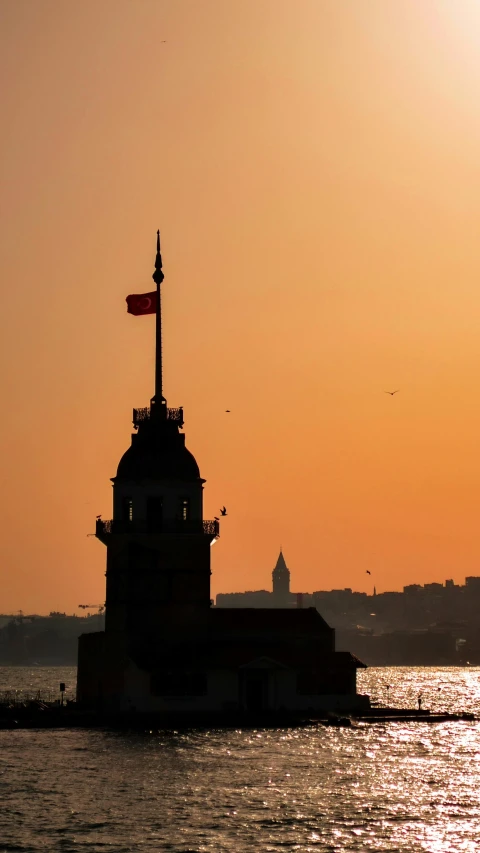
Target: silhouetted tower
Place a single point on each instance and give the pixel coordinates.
(281, 582)
(158, 545)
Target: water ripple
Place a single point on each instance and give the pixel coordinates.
(400, 787)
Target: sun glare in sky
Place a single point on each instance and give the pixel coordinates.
(313, 167)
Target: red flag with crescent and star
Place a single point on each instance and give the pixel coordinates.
(142, 303)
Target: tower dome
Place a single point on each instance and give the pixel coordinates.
(158, 452)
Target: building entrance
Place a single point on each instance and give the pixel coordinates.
(255, 690)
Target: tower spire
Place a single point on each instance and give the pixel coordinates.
(158, 277)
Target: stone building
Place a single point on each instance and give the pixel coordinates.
(165, 649)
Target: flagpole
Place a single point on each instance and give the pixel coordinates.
(158, 278)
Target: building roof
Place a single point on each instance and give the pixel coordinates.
(281, 566)
(254, 621)
(238, 654)
(149, 464)
(274, 655)
(159, 455)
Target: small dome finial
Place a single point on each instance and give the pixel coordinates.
(158, 275)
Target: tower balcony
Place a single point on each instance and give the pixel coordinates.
(164, 527)
(145, 414)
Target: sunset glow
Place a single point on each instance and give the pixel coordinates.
(313, 167)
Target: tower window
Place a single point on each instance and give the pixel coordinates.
(127, 509)
(184, 509)
(154, 513)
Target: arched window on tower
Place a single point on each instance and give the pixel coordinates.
(127, 509)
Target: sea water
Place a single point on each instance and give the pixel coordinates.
(374, 787)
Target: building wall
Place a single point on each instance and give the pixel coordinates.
(157, 585)
(100, 672)
(91, 668)
(289, 698)
(222, 693)
(171, 493)
(227, 690)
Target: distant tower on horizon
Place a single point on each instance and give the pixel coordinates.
(281, 582)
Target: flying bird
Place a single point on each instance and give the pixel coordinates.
(98, 516)
(368, 573)
(227, 410)
(223, 511)
(392, 392)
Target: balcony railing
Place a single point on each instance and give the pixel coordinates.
(173, 527)
(145, 414)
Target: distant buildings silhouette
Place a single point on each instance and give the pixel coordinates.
(431, 624)
(27, 639)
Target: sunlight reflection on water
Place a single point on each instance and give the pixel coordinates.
(454, 689)
(387, 787)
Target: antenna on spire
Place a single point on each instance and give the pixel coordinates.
(158, 277)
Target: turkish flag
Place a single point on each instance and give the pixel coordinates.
(142, 303)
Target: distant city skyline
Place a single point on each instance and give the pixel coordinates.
(267, 587)
(429, 625)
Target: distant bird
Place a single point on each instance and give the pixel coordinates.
(368, 573)
(98, 516)
(392, 392)
(223, 511)
(216, 518)
(227, 410)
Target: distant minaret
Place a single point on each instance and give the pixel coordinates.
(281, 582)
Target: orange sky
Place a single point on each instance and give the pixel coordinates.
(314, 168)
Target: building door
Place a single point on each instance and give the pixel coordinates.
(255, 690)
